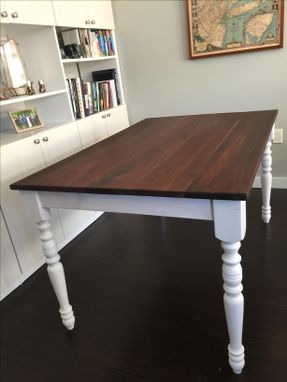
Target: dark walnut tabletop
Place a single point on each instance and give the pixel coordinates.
(212, 156)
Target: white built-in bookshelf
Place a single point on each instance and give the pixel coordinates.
(64, 133)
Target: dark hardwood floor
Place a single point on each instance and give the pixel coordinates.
(147, 294)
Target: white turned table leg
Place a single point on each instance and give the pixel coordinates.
(230, 227)
(56, 273)
(40, 215)
(233, 303)
(266, 180)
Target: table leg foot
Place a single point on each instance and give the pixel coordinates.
(56, 273)
(233, 303)
(266, 182)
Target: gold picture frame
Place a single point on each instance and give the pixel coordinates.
(25, 120)
(217, 27)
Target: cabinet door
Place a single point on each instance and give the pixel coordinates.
(30, 12)
(10, 273)
(92, 129)
(58, 144)
(18, 160)
(117, 119)
(102, 14)
(3, 12)
(84, 14)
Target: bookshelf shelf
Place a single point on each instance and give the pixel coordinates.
(67, 61)
(19, 99)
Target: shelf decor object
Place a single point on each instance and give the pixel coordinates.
(25, 120)
(13, 71)
(223, 27)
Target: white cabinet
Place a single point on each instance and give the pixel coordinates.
(84, 14)
(20, 159)
(99, 126)
(92, 129)
(117, 119)
(10, 272)
(27, 12)
(59, 143)
(3, 12)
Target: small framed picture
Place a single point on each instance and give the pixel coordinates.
(25, 120)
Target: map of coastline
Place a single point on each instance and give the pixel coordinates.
(222, 25)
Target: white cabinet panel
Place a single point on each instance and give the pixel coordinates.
(3, 12)
(10, 273)
(58, 144)
(30, 12)
(99, 126)
(84, 14)
(18, 160)
(117, 119)
(92, 129)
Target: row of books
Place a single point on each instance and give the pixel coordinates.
(88, 43)
(92, 97)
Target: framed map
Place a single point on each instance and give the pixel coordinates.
(231, 26)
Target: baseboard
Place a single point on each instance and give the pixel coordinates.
(277, 182)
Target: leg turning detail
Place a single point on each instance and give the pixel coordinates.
(266, 182)
(56, 273)
(233, 303)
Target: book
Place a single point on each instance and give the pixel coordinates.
(95, 97)
(69, 81)
(106, 75)
(75, 96)
(80, 97)
(113, 102)
(95, 45)
(90, 97)
(85, 98)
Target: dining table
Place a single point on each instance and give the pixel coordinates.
(184, 166)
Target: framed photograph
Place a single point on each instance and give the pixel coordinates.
(25, 120)
(219, 27)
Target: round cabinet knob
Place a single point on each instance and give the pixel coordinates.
(93, 22)
(14, 15)
(87, 22)
(109, 115)
(36, 141)
(104, 116)
(45, 139)
(4, 14)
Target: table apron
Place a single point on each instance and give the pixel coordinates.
(201, 209)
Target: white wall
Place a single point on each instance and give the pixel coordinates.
(159, 78)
